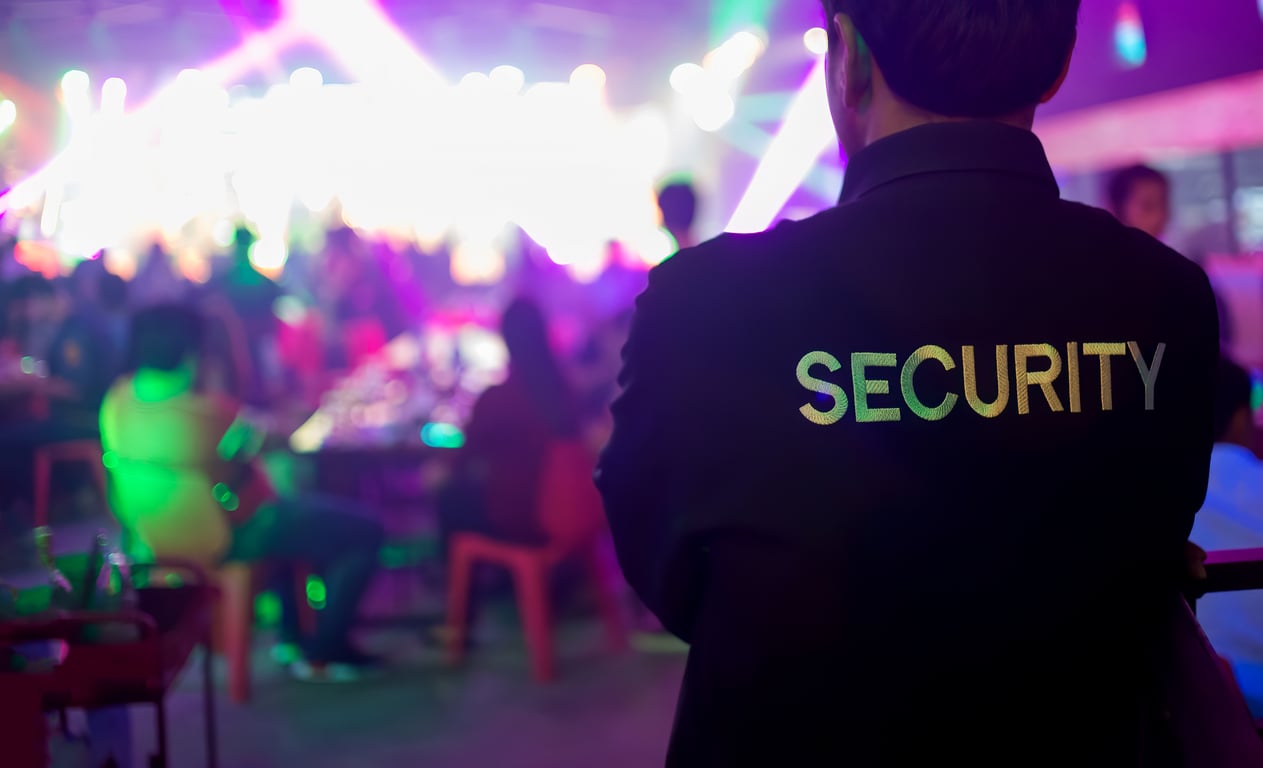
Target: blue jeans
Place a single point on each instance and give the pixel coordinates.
(334, 537)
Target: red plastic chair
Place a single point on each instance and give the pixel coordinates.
(85, 451)
(233, 621)
(571, 515)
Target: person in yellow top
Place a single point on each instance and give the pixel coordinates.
(185, 483)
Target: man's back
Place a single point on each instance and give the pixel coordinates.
(879, 546)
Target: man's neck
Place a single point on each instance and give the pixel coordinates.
(893, 115)
(153, 386)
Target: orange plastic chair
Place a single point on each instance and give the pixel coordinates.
(85, 451)
(233, 621)
(571, 515)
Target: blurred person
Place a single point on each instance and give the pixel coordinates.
(495, 481)
(252, 296)
(1140, 197)
(915, 476)
(87, 351)
(186, 483)
(678, 203)
(1232, 518)
(156, 281)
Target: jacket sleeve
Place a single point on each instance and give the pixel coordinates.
(653, 474)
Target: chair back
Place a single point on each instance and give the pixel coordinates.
(570, 510)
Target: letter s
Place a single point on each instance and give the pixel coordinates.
(828, 389)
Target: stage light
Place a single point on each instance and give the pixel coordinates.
(736, 56)
(712, 109)
(475, 263)
(588, 76)
(269, 254)
(1130, 45)
(474, 82)
(685, 77)
(74, 82)
(508, 78)
(190, 77)
(306, 79)
(817, 41)
(8, 115)
(806, 131)
(113, 96)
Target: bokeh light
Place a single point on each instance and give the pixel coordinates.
(817, 41)
(8, 114)
(508, 78)
(306, 79)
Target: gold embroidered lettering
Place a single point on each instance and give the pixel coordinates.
(906, 380)
(996, 407)
(860, 362)
(1105, 352)
(823, 388)
(1072, 367)
(1042, 379)
(1148, 373)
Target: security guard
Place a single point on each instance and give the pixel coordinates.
(914, 476)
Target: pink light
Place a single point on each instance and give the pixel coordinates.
(805, 133)
(1200, 118)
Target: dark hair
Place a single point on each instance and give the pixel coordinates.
(965, 58)
(29, 287)
(164, 336)
(678, 203)
(531, 359)
(1233, 391)
(113, 291)
(1121, 184)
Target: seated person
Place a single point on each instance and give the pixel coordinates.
(1232, 518)
(185, 484)
(496, 479)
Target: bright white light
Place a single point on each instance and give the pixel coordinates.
(475, 263)
(74, 82)
(685, 77)
(113, 96)
(817, 41)
(190, 77)
(269, 254)
(223, 233)
(589, 77)
(306, 79)
(74, 94)
(8, 115)
(474, 81)
(712, 109)
(735, 56)
(655, 247)
(508, 78)
(806, 131)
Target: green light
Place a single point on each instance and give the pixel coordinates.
(316, 592)
(232, 503)
(442, 436)
(109, 459)
(28, 365)
(173, 580)
(267, 609)
(732, 16)
(222, 492)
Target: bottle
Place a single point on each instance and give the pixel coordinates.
(63, 592)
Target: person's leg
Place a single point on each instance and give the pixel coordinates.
(332, 537)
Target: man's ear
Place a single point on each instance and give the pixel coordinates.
(852, 63)
(1065, 72)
